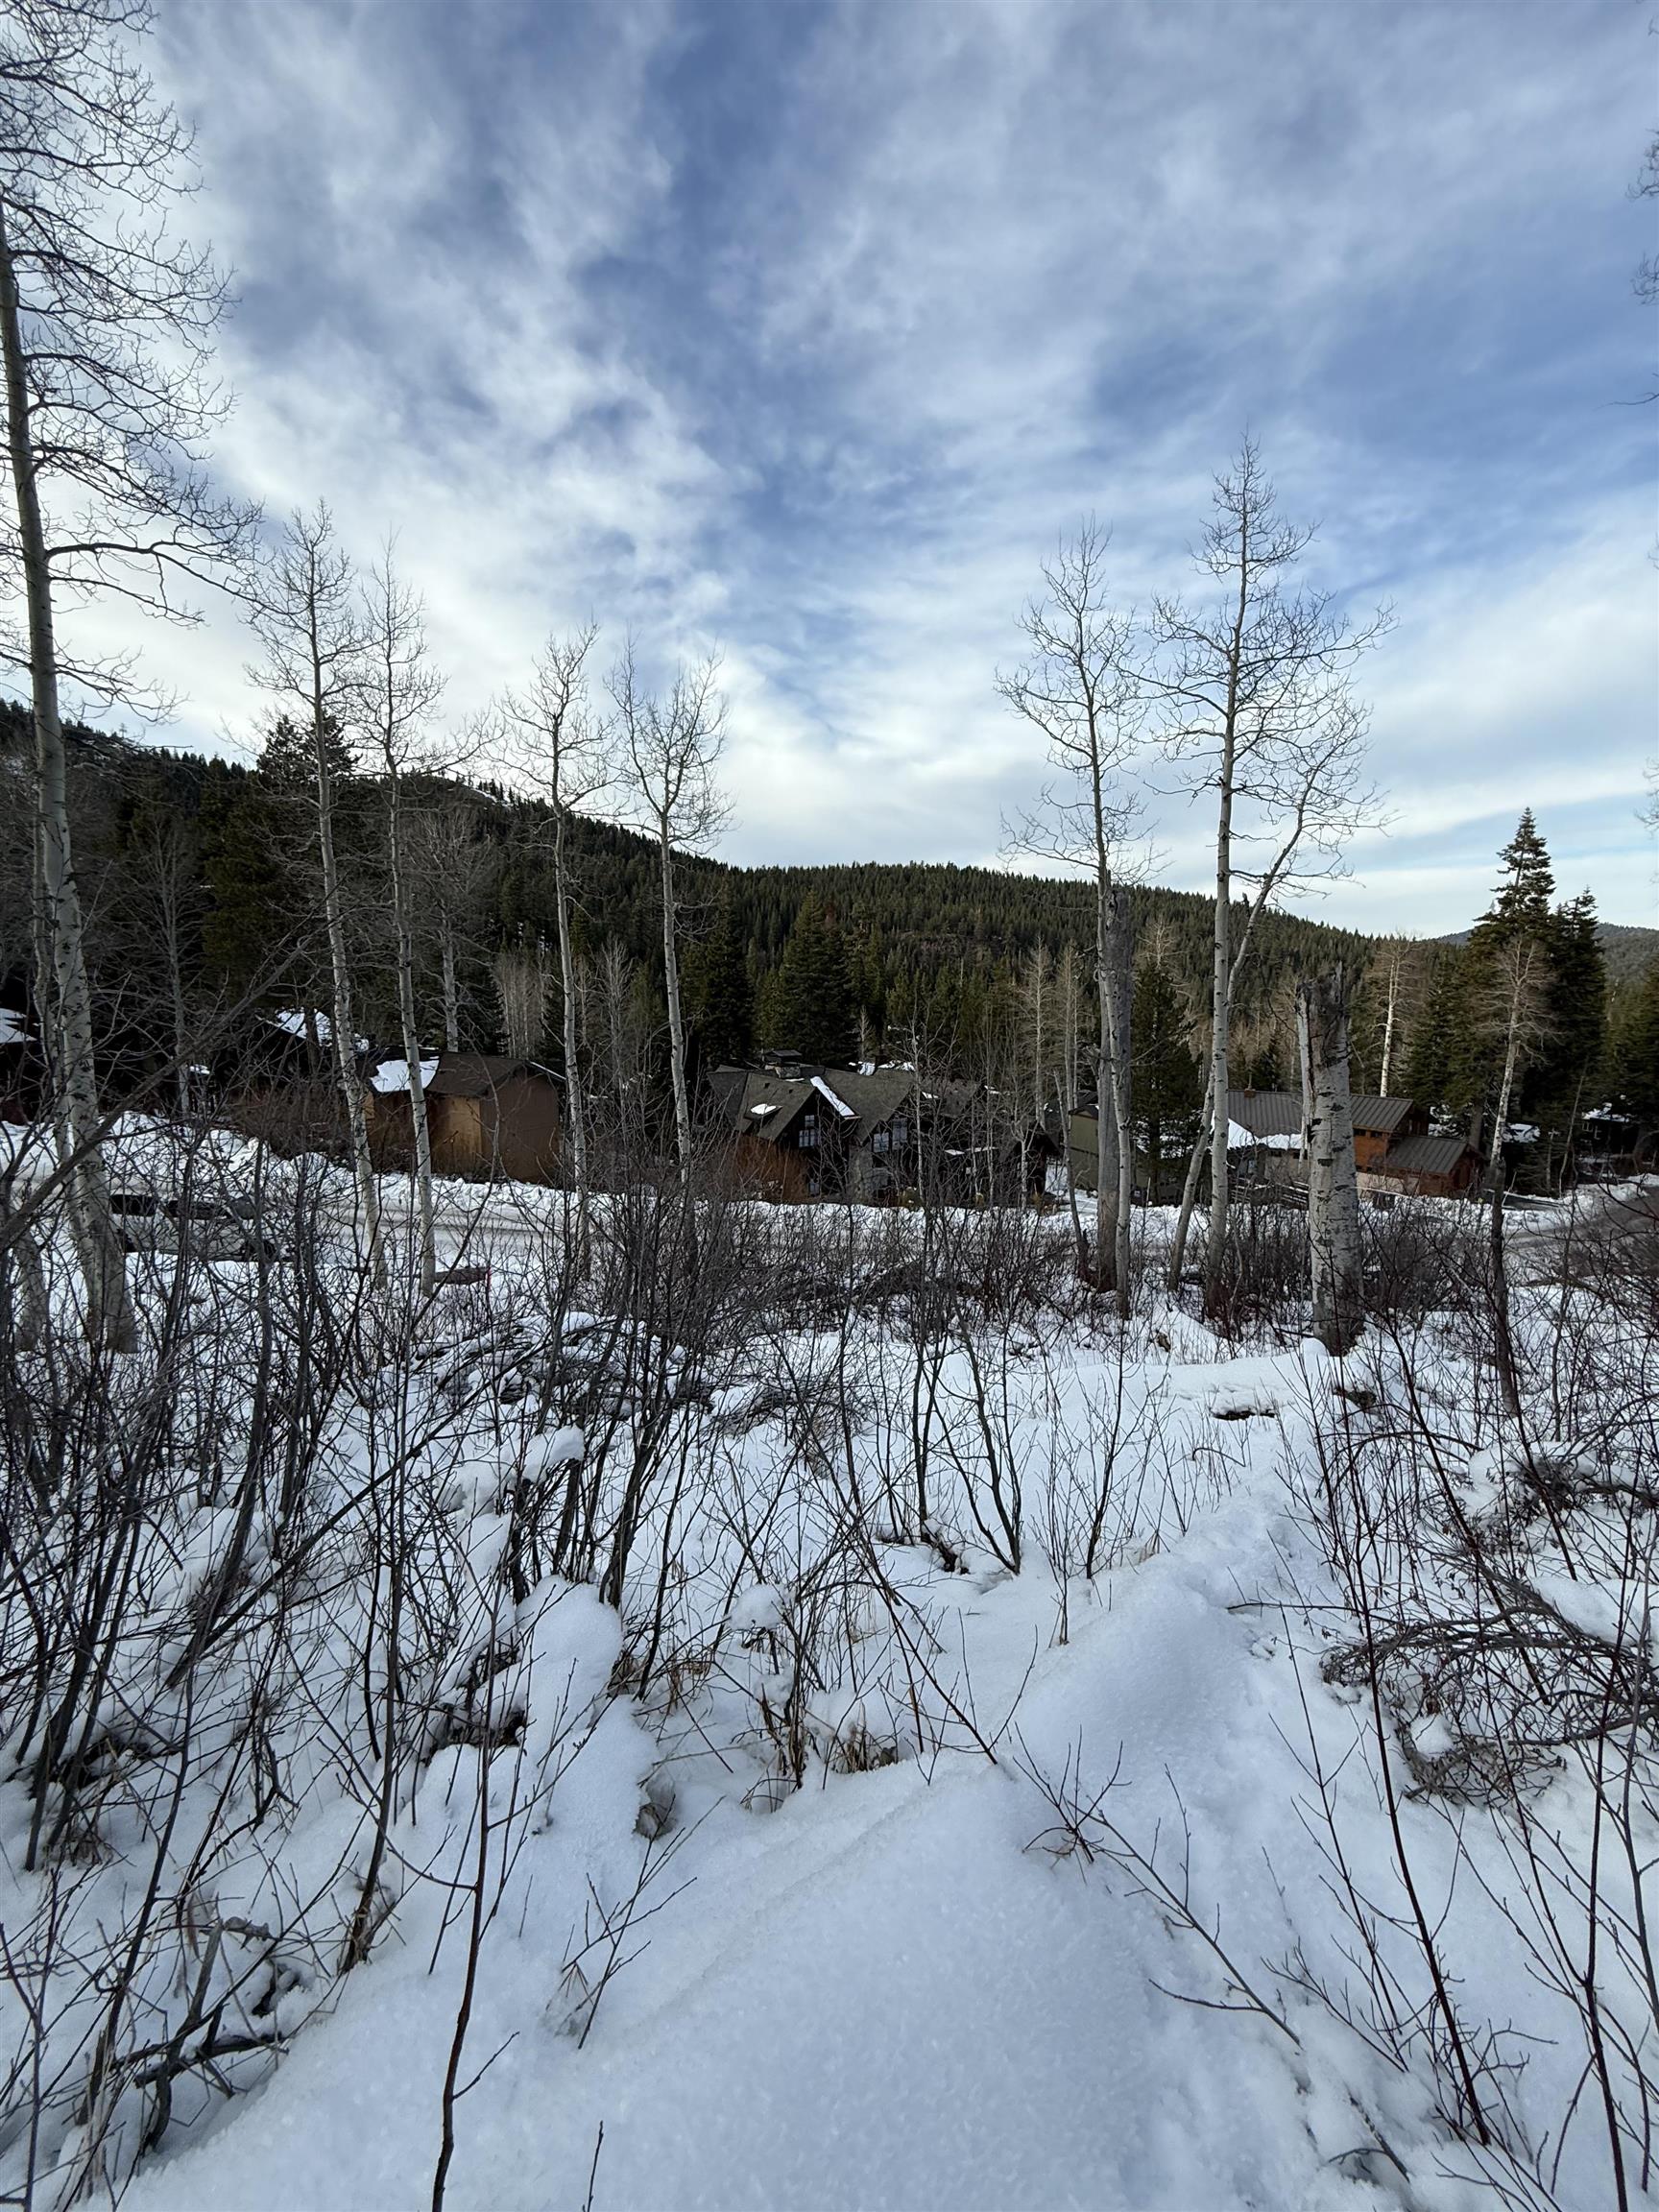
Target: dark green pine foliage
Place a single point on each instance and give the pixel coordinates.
(258, 900)
(720, 994)
(812, 1008)
(1635, 1055)
(1569, 1068)
(1440, 1071)
(1167, 1082)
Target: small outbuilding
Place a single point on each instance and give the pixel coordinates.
(488, 1115)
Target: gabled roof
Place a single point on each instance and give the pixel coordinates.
(459, 1074)
(1279, 1113)
(761, 1105)
(1424, 1156)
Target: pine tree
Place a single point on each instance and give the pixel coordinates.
(1438, 1070)
(812, 1008)
(1635, 1055)
(1569, 1070)
(1169, 1082)
(1521, 902)
(719, 992)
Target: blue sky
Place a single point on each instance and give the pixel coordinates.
(807, 329)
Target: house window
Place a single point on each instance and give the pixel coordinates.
(806, 1136)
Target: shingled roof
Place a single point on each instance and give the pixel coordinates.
(1279, 1113)
(1424, 1156)
(470, 1074)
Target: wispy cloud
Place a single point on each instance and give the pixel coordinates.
(808, 328)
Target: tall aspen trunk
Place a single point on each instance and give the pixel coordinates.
(63, 993)
(344, 1023)
(1221, 1009)
(575, 1110)
(1388, 1026)
(1332, 1181)
(676, 1026)
(1225, 968)
(411, 1032)
(1508, 1376)
(452, 995)
(1121, 969)
(1106, 1181)
(1190, 1189)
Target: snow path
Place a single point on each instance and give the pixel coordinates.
(875, 1997)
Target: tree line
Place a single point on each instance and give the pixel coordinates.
(540, 876)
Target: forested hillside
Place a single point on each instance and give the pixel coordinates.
(204, 899)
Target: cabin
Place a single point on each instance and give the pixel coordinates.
(488, 1116)
(1393, 1146)
(873, 1136)
(23, 1094)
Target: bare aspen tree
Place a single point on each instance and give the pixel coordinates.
(521, 986)
(1516, 1008)
(1333, 1178)
(106, 322)
(1082, 688)
(1391, 1011)
(564, 753)
(1256, 693)
(671, 748)
(1068, 994)
(307, 619)
(455, 865)
(399, 691)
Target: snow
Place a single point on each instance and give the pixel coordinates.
(291, 1021)
(899, 1984)
(824, 1091)
(392, 1076)
(12, 1028)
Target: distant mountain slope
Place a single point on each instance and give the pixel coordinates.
(1629, 951)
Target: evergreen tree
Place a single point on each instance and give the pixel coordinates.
(1521, 902)
(812, 1007)
(1568, 1073)
(1439, 1068)
(719, 993)
(1635, 1055)
(1169, 1082)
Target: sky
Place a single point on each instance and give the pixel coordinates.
(806, 332)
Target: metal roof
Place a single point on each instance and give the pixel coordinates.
(474, 1074)
(1279, 1113)
(1424, 1156)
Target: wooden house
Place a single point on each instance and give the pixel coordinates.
(1393, 1149)
(875, 1136)
(486, 1117)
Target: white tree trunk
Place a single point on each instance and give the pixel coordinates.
(64, 998)
(575, 1110)
(676, 1026)
(451, 995)
(1221, 1008)
(1388, 1026)
(411, 1032)
(1332, 1182)
(1122, 967)
(344, 1023)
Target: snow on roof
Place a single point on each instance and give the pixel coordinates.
(764, 1108)
(291, 1021)
(392, 1076)
(1238, 1137)
(846, 1112)
(12, 1029)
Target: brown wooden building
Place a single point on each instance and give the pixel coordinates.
(1393, 1149)
(487, 1116)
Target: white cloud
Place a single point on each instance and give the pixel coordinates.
(811, 331)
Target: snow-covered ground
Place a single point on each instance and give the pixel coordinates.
(1030, 1843)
